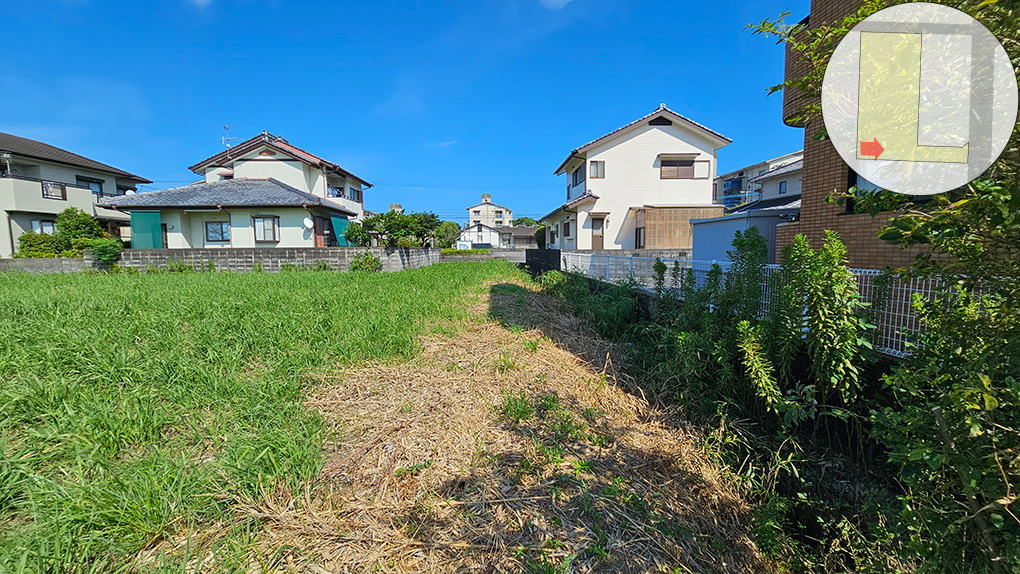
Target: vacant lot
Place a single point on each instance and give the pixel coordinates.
(441, 419)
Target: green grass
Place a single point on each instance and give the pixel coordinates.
(139, 407)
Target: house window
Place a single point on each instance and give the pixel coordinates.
(121, 190)
(476, 221)
(96, 185)
(598, 169)
(782, 187)
(53, 190)
(44, 227)
(356, 195)
(499, 214)
(676, 169)
(578, 176)
(217, 231)
(476, 212)
(639, 238)
(267, 229)
(566, 229)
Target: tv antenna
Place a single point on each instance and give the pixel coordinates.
(226, 139)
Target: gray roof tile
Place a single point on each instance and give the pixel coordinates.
(226, 193)
(18, 145)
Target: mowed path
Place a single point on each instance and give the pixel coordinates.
(509, 447)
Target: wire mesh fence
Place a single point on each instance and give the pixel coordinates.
(894, 316)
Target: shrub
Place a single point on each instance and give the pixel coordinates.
(105, 250)
(74, 223)
(366, 262)
(465, 251)
(540, 237)
(31, 244)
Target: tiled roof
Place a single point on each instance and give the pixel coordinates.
(268, 139)
(579, 200)
(518, 230)
(225, 193)
(25, 147)
(784, 170)
(662, 110)
(772, 203)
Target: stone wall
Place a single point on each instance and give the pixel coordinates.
(249, 259)
(45, 265)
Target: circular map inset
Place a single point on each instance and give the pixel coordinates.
(919, 98)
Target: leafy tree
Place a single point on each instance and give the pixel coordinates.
(540, 237)
(395, 229)
(357, 236)
(73, 223)
(447, 234)
(524, 221)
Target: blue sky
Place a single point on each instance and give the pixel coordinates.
(435, 102)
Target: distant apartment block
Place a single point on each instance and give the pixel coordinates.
(743, 186)
(489, 213)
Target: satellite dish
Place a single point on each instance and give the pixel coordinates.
(129, 192)
(308, 223)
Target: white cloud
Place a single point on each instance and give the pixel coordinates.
(555, 4)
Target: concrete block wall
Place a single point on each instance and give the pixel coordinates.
(45, 265)
(271, 260)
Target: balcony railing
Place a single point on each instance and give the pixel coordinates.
(731, 184)
(54, 190)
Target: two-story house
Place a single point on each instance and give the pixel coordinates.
(637, 186)
(264, 192)
(490, 214)
(38, 181)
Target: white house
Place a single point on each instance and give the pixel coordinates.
(38, 181)
(744, 185)
(479, 235)
(637, 186)
(488, 213)
(264, 192)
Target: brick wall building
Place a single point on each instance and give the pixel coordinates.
(825, 172)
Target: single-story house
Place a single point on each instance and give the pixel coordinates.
(478, 236)
(233, 213)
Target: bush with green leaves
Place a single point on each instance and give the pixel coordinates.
(366, 262)
(32, 244)
(75, 229)
(105, 250)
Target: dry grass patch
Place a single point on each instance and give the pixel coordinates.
(500, 450)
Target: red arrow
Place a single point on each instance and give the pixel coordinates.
(872, 148)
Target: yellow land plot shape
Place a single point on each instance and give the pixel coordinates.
(888, 108)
